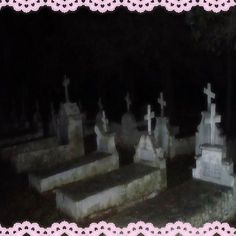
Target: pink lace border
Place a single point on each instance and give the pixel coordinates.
(110, 5)
(109, 229)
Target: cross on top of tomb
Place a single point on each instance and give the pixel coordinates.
(149, 117)
(212, 120)
(66, 83)
(104, 121)
(128, 101)
(162, 103)
(210, 95)
(100, 104)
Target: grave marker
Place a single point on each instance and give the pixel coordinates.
(149, 117)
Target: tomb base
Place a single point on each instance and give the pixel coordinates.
(121, 187)
(88, 166)
(212, 166)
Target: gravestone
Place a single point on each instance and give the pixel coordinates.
(129, 132)
(212, 165)
(203, 134)
(148, 117)
(147, 151)
(99, 115)
(162, 134)
(162, 128)
(70, 129)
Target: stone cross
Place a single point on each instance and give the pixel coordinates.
(162, 103)
(128, 101)
(149, 117)
(212, 120)
(100, 104)
(104, 121)
(66, 83)
(210, 95)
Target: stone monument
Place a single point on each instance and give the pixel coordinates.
(147, 151)
(212, 165)
(70, 130)
(203, 134)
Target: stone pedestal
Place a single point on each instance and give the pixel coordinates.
(212, 166)
(203, 134)
(162, 134)
(70, 130)
(147, 153)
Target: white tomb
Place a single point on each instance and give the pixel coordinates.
(104, 160)
(203, 134)
(147, 151)
(212, 165)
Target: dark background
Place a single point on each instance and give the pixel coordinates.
(106, 55)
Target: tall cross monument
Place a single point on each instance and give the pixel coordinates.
(162, 103)
(104, 121)
(212, 120)
(210, 95)
(149, 117)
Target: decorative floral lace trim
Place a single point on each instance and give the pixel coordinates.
(109, 229)
(110, 5)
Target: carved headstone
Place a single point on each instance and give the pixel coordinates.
(148, 153)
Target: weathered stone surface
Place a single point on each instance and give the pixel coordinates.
(11, 152)
(93, 164)
(203, 134)
(212, 166)
(70, 130)
(120, 187)
(194, 201)
(40, 159)
(148, 153)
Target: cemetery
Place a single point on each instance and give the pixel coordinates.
(117, 118)
(86, 186)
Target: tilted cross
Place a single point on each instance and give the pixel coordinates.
(210, 95)
(104, 121)
(162, 103)
(66, 83)
(128, 101)
(149, 117)
(100, 104)
(212, 120)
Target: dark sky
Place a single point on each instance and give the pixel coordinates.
(105, 55)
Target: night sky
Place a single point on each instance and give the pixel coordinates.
(106, 55)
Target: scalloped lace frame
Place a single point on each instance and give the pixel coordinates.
(110, 5)
(109, 229)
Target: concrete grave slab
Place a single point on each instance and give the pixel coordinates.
(120, 187)
(93, 164)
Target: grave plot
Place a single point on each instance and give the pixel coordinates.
(166, 136)
(67, 145)
(203, 134)
(209, 196)
(119, 188)
(105, 159)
